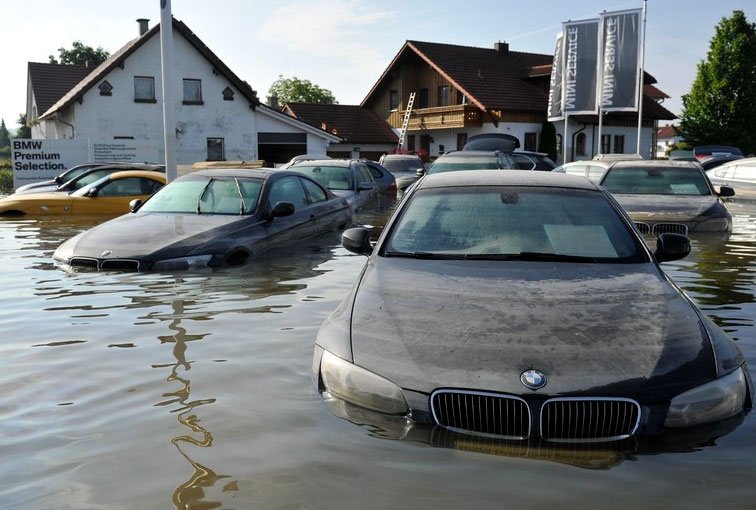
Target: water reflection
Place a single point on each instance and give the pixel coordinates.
(598, 455)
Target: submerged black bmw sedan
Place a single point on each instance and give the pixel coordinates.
(525, 305)
(210, 218)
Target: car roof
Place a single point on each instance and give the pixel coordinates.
(530, 153)
(325, 162)
(149, 174)
(400, 156)
(656, 163)
(462, 154)
(592, 162)
(255, 173)
(506, 178)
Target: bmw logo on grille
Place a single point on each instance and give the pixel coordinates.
(533, 379)
(105, 253)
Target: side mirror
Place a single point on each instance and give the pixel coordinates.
(357, 240)
(282, 209)
(91, 192)
(726, 191)
(365, 186)
(420, 172)
(134, 205)
(671, 247)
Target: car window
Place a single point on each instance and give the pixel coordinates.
(88, 178)
(402, 164)
(656, 180)
(747, 172)
(315, 192)
(129, 186)
(455, 163)
(363, 173)
(595, 172)
(523, 162)
(287, 189)
(206, 196)
(331, 177)
(377, 174)
(490, 221)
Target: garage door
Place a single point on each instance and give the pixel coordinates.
(280, 147)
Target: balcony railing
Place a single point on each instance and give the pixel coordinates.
(443, 117)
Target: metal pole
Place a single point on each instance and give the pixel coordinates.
(564, 141)
(640, 85)
(166, 61)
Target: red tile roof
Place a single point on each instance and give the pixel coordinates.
(352, 123)
(50, 82)
(667, 132)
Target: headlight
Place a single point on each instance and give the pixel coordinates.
(713, 225)
(709, 402)
(361, 387)
(194, 262)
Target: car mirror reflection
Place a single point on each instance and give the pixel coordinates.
(671, 247)
(357, 240)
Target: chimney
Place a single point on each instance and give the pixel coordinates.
(273, 102)
(501, 47)
(144, 25)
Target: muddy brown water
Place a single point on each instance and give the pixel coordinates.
(193, 390)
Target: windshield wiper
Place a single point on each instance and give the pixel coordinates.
(238, 188)
(425, 255)
(555, 257)
(199, 200)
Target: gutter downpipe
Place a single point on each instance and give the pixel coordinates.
(58, 118)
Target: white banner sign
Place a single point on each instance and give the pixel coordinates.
(41, 160)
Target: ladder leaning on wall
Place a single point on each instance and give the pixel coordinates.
(405, 122)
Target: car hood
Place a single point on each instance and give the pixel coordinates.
(598, 329)
(154, 236)
(665, 207)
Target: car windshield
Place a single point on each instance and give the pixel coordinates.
(506, 222)
(87, 178)
(331, 177)
(442, 165)
(221, 195)
(656, 181)
(402, 164)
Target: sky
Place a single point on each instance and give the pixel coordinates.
(345, 45)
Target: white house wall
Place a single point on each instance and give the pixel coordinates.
(107, 117)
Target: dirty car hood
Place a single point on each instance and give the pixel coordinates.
(666, 207)
(600, 329)
(168, 234)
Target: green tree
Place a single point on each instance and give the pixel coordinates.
(720, 107)
(4, 135)
(24, 131)
(80, 55)
(294, 90)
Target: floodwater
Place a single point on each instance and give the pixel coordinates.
(193, 390)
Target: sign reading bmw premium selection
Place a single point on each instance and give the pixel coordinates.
(39, 160)
(620, 42)
(580, 67)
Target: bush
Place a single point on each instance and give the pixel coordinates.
(6, 180)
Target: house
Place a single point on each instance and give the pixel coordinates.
(459, 91)
(218, 115)
(363, 133)
(667, 136)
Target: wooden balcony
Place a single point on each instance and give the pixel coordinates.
(444, 117)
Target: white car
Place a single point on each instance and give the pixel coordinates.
(593, 170)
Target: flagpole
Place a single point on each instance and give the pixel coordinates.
(640, 86)
(166, 63)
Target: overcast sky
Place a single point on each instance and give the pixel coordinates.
(345, 45)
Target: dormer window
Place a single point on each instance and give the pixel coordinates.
(228, 94)
(106, 89)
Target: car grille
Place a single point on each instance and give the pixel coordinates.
(643, 228)
(105, 265)
(483, 413)
(568, 419)
(670, 228)
(83, 262)
(119, 265)
(561, 419)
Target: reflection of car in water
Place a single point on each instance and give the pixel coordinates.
(668, 196)
(210, 218)
(465, 317)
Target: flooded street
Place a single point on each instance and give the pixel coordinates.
(193, 390)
